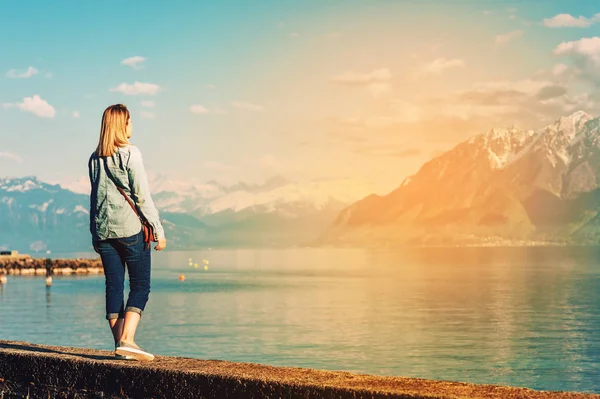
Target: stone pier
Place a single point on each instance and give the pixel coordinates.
(40, 371)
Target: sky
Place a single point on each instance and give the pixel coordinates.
(239, 91)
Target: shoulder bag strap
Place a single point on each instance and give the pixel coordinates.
(122, 191)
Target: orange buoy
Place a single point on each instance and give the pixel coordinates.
(182, 277)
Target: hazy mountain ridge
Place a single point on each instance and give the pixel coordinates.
(37, 216)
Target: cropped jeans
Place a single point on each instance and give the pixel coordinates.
(116, 254)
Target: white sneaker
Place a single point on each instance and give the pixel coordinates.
(131, 350)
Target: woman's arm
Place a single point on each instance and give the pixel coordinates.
(140, 191)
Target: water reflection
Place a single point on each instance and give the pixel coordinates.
(48, 296)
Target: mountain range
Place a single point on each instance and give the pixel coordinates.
(36, 216)
(501, 186)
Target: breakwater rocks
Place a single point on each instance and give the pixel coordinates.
(49, 267)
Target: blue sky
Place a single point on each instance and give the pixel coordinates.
(241, 91)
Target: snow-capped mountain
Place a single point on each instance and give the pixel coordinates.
(278, 212)
(275, 195)
(35, 215)
(502, 184)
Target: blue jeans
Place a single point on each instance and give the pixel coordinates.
(115, 254)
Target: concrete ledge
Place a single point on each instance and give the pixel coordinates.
(28, 370)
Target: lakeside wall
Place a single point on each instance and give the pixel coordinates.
(24, 265)
(28, 370)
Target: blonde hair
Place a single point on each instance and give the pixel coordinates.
(113, 131)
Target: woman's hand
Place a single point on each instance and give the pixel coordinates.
(162, 243)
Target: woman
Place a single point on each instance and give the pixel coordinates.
(119, 191)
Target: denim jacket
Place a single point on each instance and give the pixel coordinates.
(111, 215)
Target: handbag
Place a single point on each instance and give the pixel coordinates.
(147, 227)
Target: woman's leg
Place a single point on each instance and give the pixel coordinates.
(116, 326)
(137, 258)
(138, 265)
(114, 273)
(132, 320)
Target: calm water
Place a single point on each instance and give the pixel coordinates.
(522, 316)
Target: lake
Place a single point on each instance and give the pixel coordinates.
(525, 317)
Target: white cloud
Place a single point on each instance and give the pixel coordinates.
(528, 101)
(294, 34)
(356, 78)
(75, 114)
(247, 106)
(585, 57)
(567, 20)
(15, 74)
(137, 88)
(38, 106)
(11, 156)
(35, 105)
(147, 115)
(560, 72)
(528, 86)
(211, 87)
(588, 47)
(198, 109)
(377, 82)
(559, 69)
(134, 62)
(507, 37)
(439, 65)
(148, 104)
